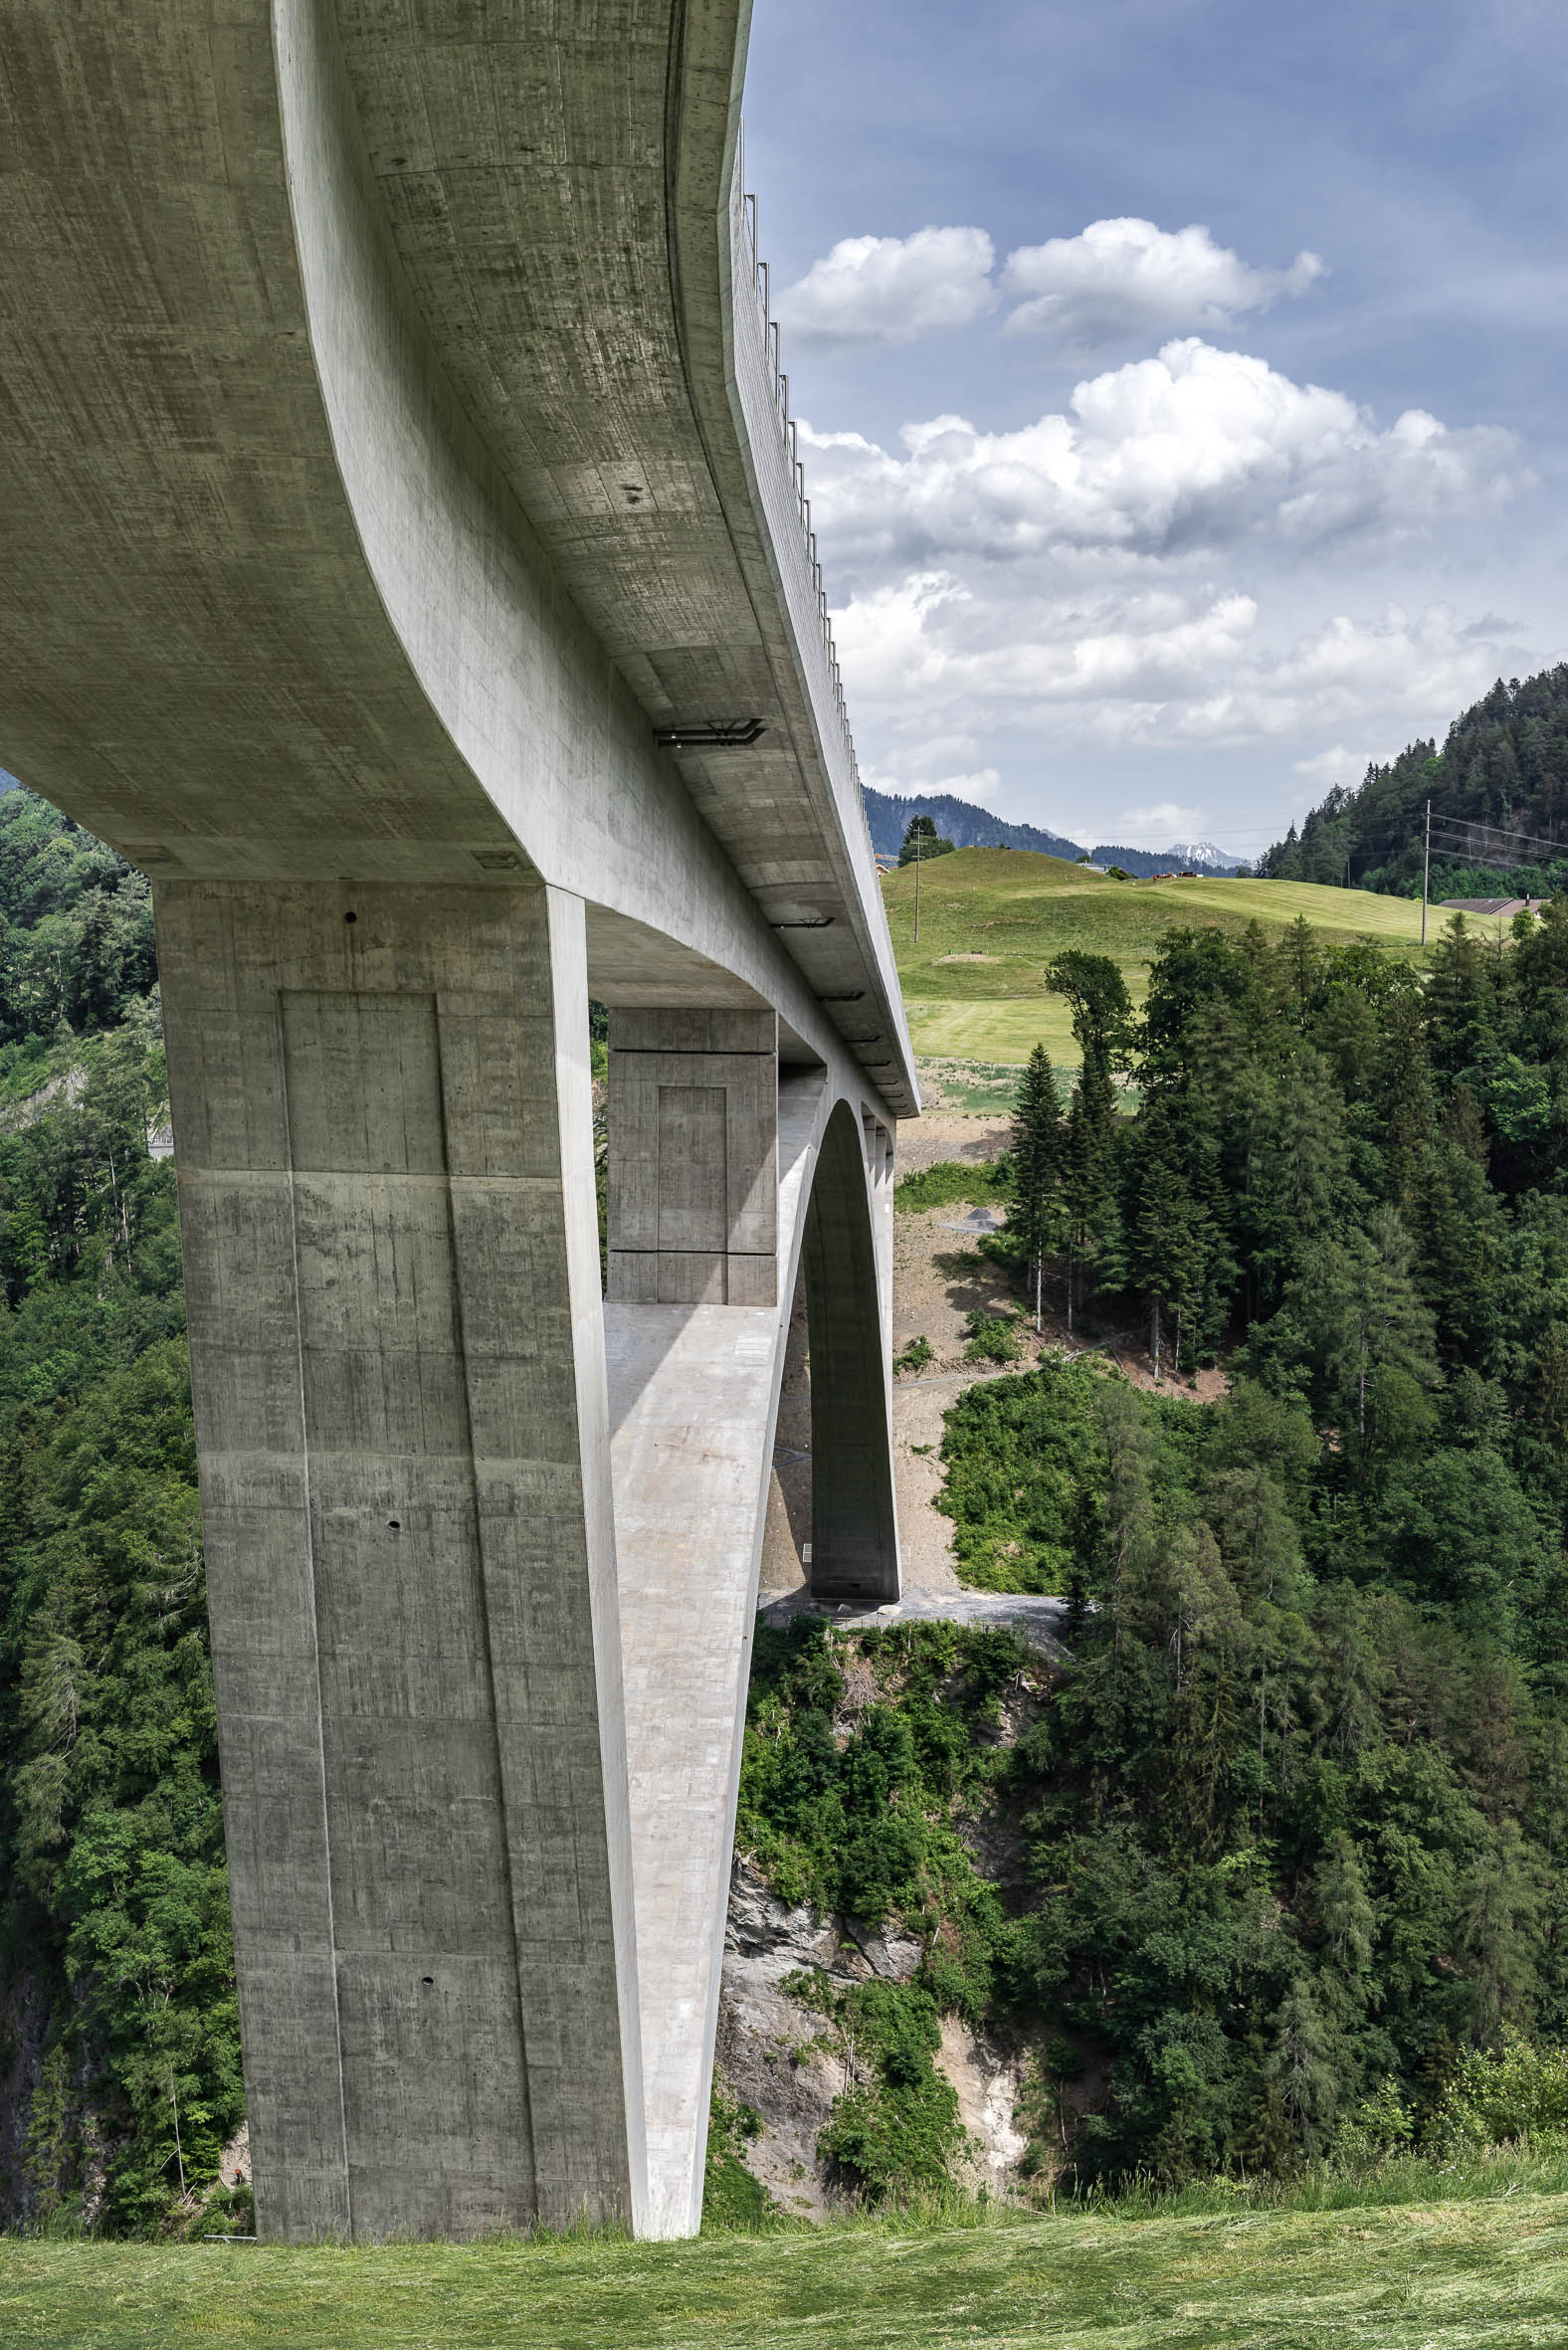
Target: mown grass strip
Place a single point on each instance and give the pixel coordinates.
(1486, 2275)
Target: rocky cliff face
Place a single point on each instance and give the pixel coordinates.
(788, 2064)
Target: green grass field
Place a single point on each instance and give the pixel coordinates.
(992, 919)
(1463, 2276)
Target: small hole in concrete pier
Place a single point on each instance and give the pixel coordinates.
(394, 1524)
(350, 918)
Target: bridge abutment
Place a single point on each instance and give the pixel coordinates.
(383, 1122)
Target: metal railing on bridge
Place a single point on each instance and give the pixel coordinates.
(763, 387)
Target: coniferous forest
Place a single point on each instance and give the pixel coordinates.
(1285, 1832)
(1498, 792)
(118, 2036)
(1268, 1856)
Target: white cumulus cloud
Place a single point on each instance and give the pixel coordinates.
(931, 637)
(1121, 279)
(1181, 454)
(892, 290)
(1118, 281)
(1135, 664)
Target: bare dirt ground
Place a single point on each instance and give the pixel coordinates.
(939, 1277)
(948, 1134)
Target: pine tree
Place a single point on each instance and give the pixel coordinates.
(922, 840)
(1129, 1506)
(1087, 1165)
(1301, 966)
(1102, 1026)
(1039, 1143)
(1345, 1914)
(1356, 1315)
(1165, 1259)
(1303, 2063)
(91, 994)
(1496, 1934)
(1403, 1100)
(1460, 998)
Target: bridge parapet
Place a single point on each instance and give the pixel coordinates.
(771, 437)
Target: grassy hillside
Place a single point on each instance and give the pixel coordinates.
(992, 919)
(1488, 2273)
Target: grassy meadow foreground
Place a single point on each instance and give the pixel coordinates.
(992, 919)
(1465, 2275)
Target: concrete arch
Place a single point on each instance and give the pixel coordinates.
(854, 1525)
(693, 1409)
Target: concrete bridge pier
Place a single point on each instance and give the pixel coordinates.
(383, 1122)
(726, 1170)
(484, 1551)
(693, 1134)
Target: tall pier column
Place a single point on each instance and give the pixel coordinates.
(383, 1122)
(695, 1339)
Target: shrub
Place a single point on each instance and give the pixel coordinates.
(951, 1181)
(732, 2198)
(993, 1339)
(895, 2132)
(1515, 2095)
(1380, 2125)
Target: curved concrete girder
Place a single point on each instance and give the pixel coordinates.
(269, 606)
(563, 197)
(693, 1409)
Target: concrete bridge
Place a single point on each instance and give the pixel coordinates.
(403, 559)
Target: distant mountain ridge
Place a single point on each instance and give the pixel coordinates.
(967, 826)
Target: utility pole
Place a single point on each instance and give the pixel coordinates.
(1426, 874)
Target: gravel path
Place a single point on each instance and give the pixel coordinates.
(1039, 1620)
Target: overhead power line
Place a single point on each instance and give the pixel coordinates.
(1499, 832)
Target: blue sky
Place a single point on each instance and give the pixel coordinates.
(1217, 443)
